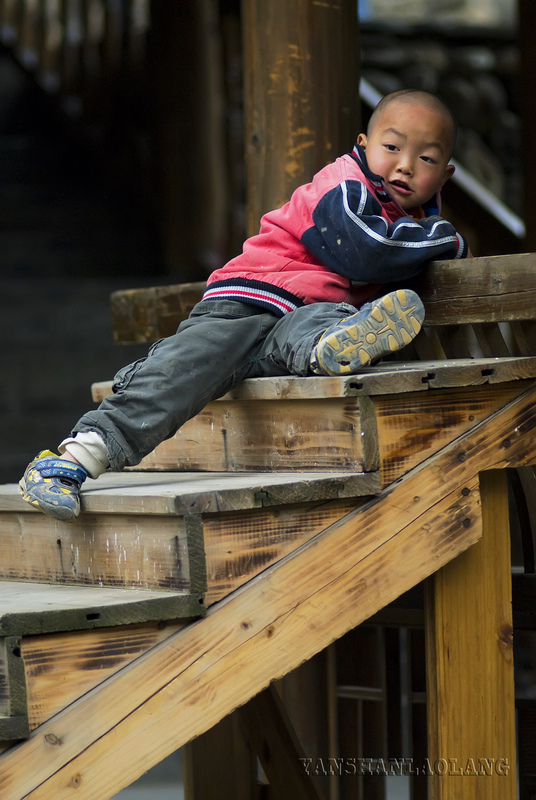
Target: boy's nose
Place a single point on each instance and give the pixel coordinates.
(404, 165)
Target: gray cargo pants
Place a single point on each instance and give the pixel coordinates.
(219, 345)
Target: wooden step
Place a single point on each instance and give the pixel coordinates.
(149, 547)
(317, 424)
(161, 532)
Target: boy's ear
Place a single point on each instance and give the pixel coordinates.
(362, 140)
(449, 172)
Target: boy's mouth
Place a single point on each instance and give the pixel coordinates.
(400, 186)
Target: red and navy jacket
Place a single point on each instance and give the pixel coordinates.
(338, 239)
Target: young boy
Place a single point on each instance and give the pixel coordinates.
(288, 303)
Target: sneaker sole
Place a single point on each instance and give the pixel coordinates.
(50, 509)
(393, 322)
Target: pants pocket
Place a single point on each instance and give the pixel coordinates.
(125, 374)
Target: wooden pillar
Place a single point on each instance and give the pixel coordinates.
(527, 79)
(301, 73)
(187, 116)
(471, 711)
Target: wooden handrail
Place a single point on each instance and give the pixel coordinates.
(467, 292)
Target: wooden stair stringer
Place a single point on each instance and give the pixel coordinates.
(294, 609)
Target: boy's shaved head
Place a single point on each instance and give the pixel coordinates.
(421, 98)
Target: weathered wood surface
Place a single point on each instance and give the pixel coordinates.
(80, 660)
(470, 291)
(384, 378)
(312, 436)
(201, 493)
(396, 430)
(99, 549)
(32, 608)
(13, 696)
(414, 426)
(479, 290)
(357, 566)
(238, 547)
(470, 669)
(139, 315)
(154, 532)
(299, 113)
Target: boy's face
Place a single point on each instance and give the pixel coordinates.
(409, 147)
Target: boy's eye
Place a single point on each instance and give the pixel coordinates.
(428, 159)
(391, 147)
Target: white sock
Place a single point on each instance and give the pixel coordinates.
(89, 449)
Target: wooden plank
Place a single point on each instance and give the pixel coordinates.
(404, 428)
(488, 289)
(210, 554)
(478, 290)
(414, 426)
(196, 493)
(383, 378)
(238, 547)
(34, 608)
(264, 425)
(103, 550)
(78, 661)
(145, 315)
(471, 704)
(315, 436)
(271, 735)
(13, 703)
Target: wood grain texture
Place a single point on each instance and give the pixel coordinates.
(80, 660)
(238, 547)
(470, 669)
(97, 550)
(315, 424)
(177, 494)
(414, 426)
(469, 291)
(382, 378)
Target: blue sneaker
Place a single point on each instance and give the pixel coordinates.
(52, 484)
(378, 328)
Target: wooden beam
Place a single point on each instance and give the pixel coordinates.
(471, 704)
(270, 732)
(186, 684)
(301, 69)
(490, 289)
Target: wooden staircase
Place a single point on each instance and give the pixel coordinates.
(315, 503)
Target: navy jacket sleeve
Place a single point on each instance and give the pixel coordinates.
(350, 236)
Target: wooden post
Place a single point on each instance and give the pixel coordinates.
(188, 128)
(301, 72)
(471, 712)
